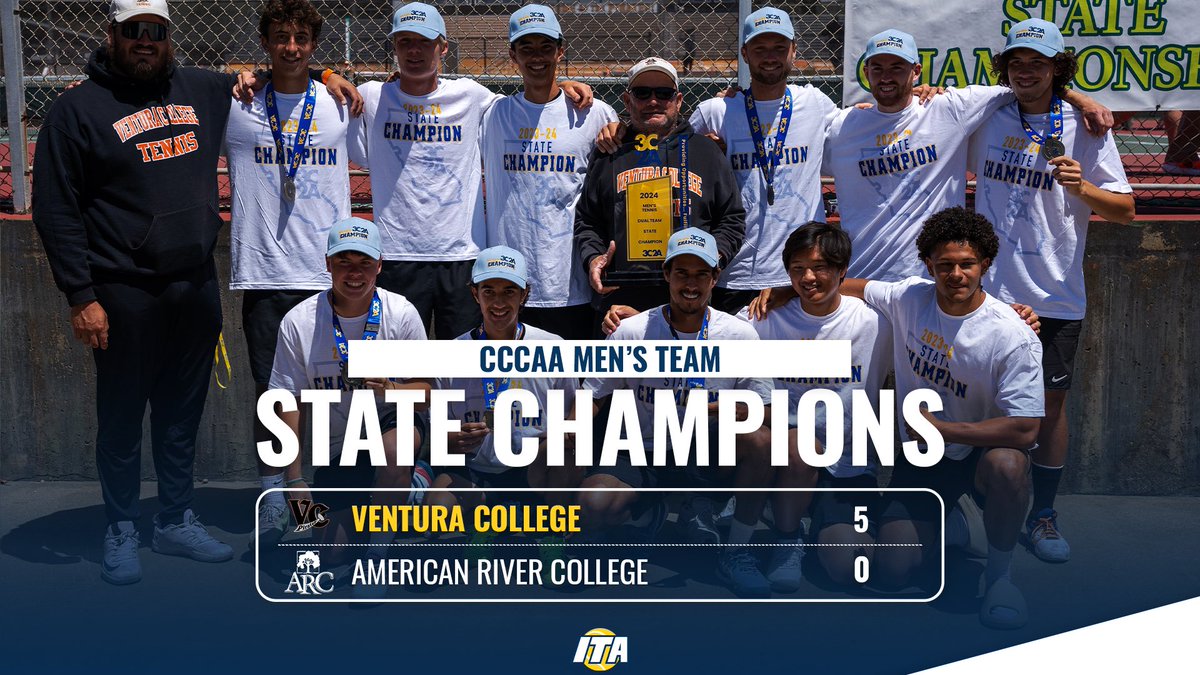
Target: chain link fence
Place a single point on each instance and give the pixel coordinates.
(603, 40)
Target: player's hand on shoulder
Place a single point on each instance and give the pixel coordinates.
(345, 93)
(89, 323)
(926, 93)
(769, 299)
(608, 140)
(247, 84)
(1097, 119)
(716, 139)
(579, 93)
(1029, 316)
(613, 317)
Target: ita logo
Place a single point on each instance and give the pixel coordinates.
(308, 579)
(308, 514)
(600, 649)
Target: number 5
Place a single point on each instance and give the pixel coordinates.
(860, 519)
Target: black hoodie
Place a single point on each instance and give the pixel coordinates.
(124, 180)
(717, 210)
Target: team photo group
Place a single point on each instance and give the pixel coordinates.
(550, 214)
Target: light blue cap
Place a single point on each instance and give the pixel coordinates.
(533, 20)
(354, 234)
(419, 18)
(767, 20)
(693, 241)
(1040, 36)
(894, 42)
(500, 262)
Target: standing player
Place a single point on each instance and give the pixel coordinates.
(774, 136)
(651, 148)
(536, 147)
(898, 163)
(1040, 178)
(816, 257)
(312, 354)
(287, 155)
(690, 271)
(422, 139)
(985, 363)
(500, 285)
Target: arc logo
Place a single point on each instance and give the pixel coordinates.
(308, 579)
(600, 649)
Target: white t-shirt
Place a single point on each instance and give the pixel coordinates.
(985, 364)
(1042, 228)
(276, 244)
(535, 157)
(471, 410)
(652, 325)
(797, 183)
(306, 356)
(870, 337)
(894, 170)
(425, 172)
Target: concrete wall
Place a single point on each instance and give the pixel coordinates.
(1135, 422)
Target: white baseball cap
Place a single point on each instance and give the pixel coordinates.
(123, 10)
(656, 65)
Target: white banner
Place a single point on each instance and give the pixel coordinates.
(1133, 54)
(582, 358)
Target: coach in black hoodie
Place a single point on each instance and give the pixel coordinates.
(125, 201)
(657, 129)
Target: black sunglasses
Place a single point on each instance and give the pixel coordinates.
(132, 30)
(660, 93)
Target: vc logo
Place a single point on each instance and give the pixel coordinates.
(308, 514)
(600, 649)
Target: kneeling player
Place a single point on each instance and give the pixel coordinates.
(311, 353)
(816, 257)
(691, 272)
(500, 286)
(952, 337)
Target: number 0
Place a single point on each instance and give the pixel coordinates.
(862, 569)
(860, 519)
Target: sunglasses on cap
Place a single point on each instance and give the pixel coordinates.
(660, 93)
(133, 30)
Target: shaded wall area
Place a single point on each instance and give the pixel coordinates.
(1135, 416)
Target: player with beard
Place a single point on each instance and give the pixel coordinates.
(135, 261)
(653, 142)
(1039, 180)
(690, 273)
(774, 136)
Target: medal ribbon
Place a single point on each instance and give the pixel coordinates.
(370, 329)
(301, 139)
(492, 386)
(685, 179)
(1056, 123)
(691, 382)
(768, 165)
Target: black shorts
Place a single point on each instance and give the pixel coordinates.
(1060, 339)
(949, 478)
(573, 322)
(730, 300)
(837, 508)
(438, 289)
(262, 312)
